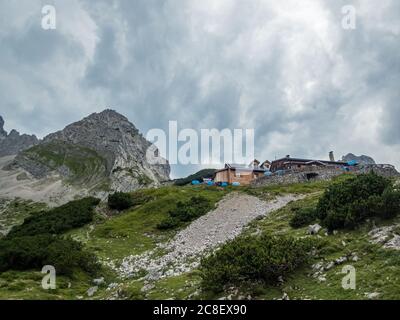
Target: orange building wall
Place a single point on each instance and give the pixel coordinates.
(230, 176)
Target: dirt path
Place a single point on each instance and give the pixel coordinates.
(224, 223)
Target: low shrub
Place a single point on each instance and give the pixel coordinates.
(67, 255)
(390, 203)
(186, 212)
(168, 223)
(120, 201)
(347, 204)
(303, 217)
(34, 252)
(192, 209)
(123, 200)
(72, 215)
(253, 259)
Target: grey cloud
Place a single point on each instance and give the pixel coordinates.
(227, 64)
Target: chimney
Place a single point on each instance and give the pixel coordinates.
(331, 156)
(288, 156)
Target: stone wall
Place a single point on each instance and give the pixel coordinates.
(290, 177)
(318, 174)
(384, 170)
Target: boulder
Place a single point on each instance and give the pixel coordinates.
(99, 281)
(91, 291)
(363, 159)
(314, 229)
(372, 295)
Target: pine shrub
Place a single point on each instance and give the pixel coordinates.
(253, 259)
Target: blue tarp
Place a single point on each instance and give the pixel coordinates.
(280, 172)
(267, 173)
(352, 163)
(210, 183)
(224, 184)
(195, 182)
(236, 184)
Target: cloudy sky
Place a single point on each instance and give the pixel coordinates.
(286, 68)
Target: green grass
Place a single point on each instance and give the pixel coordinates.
(376, 271)
(27, 285)
(180, 287)
(134, 231)
(85, 165)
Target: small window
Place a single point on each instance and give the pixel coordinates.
(237, 175)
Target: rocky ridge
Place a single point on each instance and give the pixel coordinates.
(3, 133)
(101, 153)
(14, 142)
(363, 159)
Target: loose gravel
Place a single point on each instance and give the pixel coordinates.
(184, 251)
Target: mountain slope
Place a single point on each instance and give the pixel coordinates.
(134, 232)
(100, 153)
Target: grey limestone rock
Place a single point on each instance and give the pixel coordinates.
(14, 142)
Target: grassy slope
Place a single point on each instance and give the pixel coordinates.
(131, 232)
(377, 270)
(27, 285)
(134, 232)
(85, 165)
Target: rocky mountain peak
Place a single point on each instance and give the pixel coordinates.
(103, 145)
(108, 133)
(14, 142)
(3, 133)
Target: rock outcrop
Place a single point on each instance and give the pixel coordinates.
(13, 143)
(103, 148)
(360, 159)
(3, 133)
